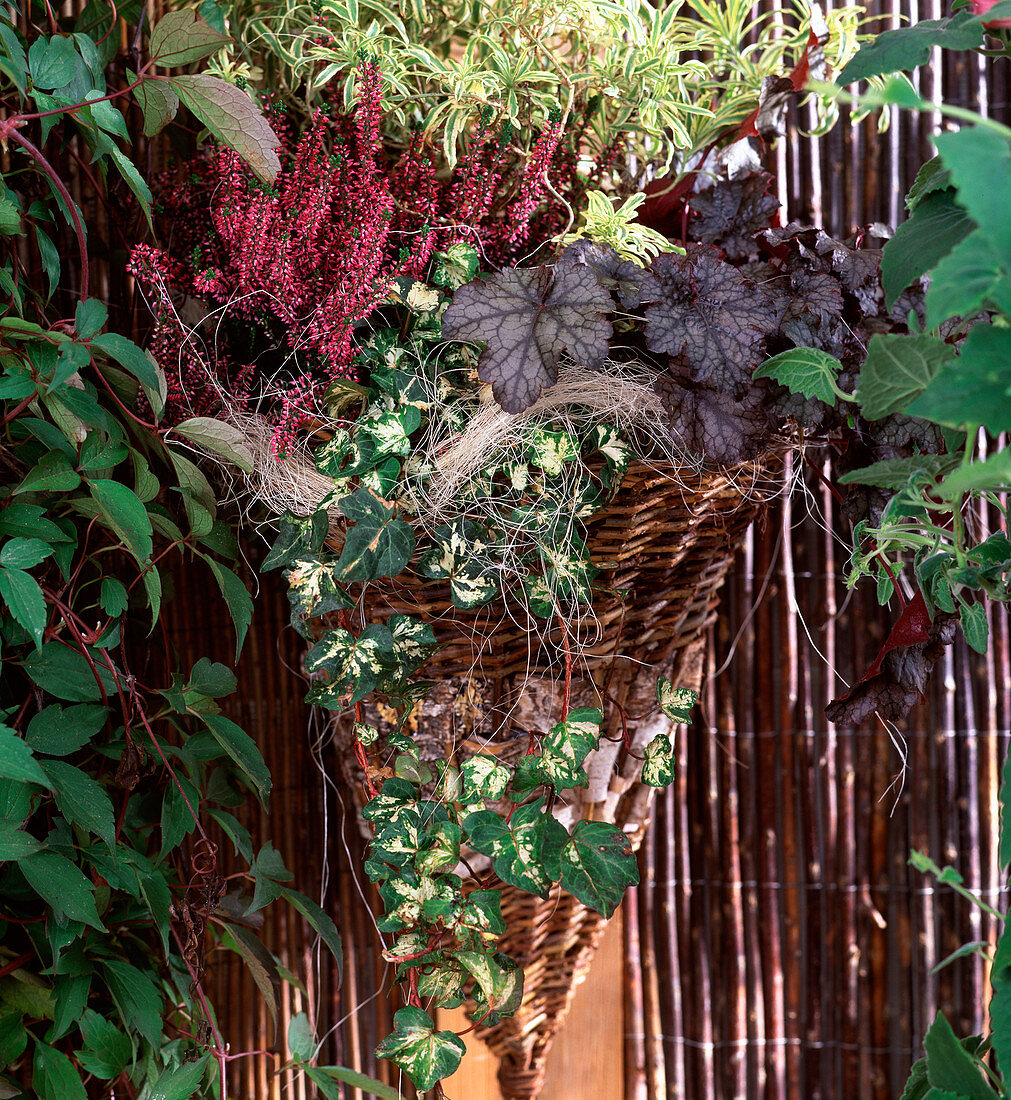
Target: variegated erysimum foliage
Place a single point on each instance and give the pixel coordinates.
(520, 518)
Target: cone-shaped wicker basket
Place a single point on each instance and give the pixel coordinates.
(668, 540)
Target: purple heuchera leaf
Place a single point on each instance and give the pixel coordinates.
(731, 213)
(528, 317)
(623, 278)
(707, 312)
(726, 431)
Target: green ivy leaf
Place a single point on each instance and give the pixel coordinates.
(932, 230)
(897, 370)
(63, 886)
(424, 1054)
(526, 850)
(233, 118)
(598, 864)
(379, 544)
(182, 37)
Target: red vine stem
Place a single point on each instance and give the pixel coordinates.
(9, 131)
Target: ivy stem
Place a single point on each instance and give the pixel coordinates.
(219, 1050)
(567, 650)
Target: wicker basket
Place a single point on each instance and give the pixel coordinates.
(667, 541)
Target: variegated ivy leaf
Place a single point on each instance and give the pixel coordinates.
(563, 750)
(675, 703)
(297, 537)
(551, 450)
(426, 898)
(396, 798)
(394, 846)
(570, 573)
(313, 591)
(415, 294)
(383, 478)
(598, 865)
(388, 431)
(528, 318)
(462, 554)
(498, 984)
(334, 455)
(405, 388)
(538, 596)
(484, 779)
(617, 452)
(424, 1054)
(413, 643)
(658, 767)
(441, 849)
(443, 980)
(480, 921)
(367, 735)
(353, 666)
(456, 266)
(413, 941)
(379, 544)
(525, 851)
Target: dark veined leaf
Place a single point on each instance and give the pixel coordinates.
(932, 230)
(157, 101)
(897, 369)
(971, 389)
(598, 865)
(710, 423)
(325, 1078)
(54, 1076)
(182, 37)
(909, 47)
(733, 212)
(708, 316)
(424, 1054)
(181, 1082)
(808, 371)
(63, 885)
(233, 118)
(950, 1067)
(528, 318)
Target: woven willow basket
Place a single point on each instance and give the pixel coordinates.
(667, 540)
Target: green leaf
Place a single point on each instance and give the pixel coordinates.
(379, 544)
(658, 767)
(137, 997)
(21, 553)
(52, 474)
(137, 362)
(598, 864)
(182, 1082)
(897, 473)
(182, 37)
(972, 389)
(974, 625)
(950, 1067)
(424, 1054)
(962, 281)
(808, 371)
(1004, 837)
(52, 62)
(13, 1034)
(114, 597)
(993, 475)
(220, 438)
(62, 884)
(15, 843)
(157, 101)
(301, 1041)
(212, 678)
(126, 515)
(320, 923)
(261, 966)
(526, 850)
(109, 1050)
(979, 160)
(675, 703)
(932, 230)
(54, 1076)
(233, 118)
(21, 593)
(142, 193)
(240, 603)
(324, 1076)
(897, 370)
(66, 674)
(90, 317)
(242, 749)
(82, 800)
(17, 761)
(908, 48)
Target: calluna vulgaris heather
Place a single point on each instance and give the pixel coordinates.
(299, 264)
